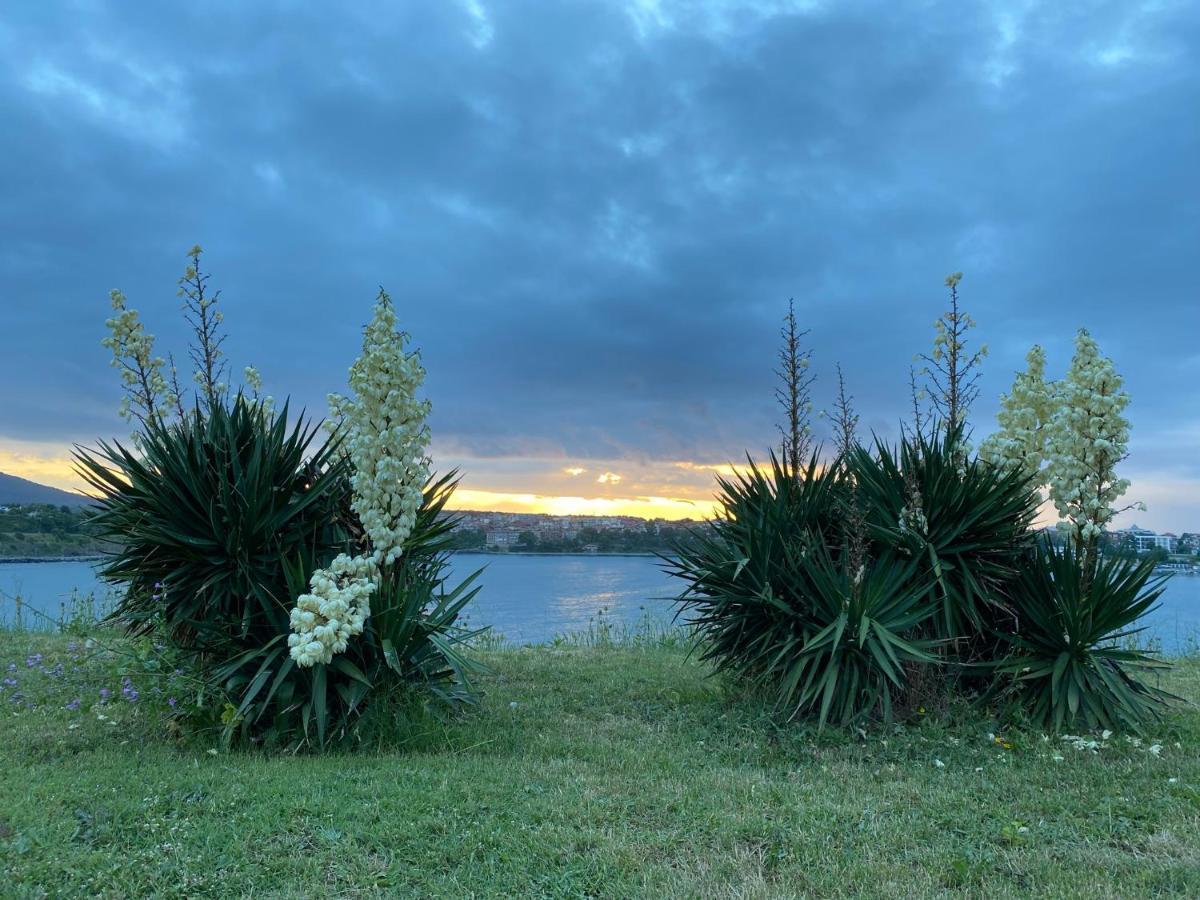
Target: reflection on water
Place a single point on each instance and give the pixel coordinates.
(530, 599)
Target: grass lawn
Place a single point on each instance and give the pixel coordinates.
(587, 772)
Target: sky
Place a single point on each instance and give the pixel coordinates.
(591, 216)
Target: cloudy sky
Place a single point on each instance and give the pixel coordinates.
(592, 215)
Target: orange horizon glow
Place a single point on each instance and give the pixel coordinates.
(552, 505)
(649, 497)
(52, 465)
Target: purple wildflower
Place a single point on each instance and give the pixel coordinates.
(11, 682)
(171, 701)
(105, 694)
(74, 704)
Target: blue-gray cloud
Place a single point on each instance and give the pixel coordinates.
(592, 215)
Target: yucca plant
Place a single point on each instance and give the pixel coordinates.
(853, 653)
(412, 640)
(207, 517)
(1066, 664)
(966, 523)
(770, 600)
(220, 521)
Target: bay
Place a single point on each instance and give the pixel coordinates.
(534, 599)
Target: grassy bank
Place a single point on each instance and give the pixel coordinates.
(587, 772)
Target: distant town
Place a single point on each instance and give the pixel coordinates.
(57, 531)
(498, 532)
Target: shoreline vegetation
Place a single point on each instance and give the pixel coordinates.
(591, 768)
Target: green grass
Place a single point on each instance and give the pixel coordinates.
(602, 772)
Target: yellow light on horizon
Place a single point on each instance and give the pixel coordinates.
(642, 507)
(49, 464)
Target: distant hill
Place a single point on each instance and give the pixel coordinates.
(21, 490)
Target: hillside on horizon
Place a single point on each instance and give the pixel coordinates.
(22, 490)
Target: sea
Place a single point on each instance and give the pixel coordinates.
(528, 599)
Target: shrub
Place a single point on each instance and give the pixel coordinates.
(771, 598)
(208, 516)
(966, 522)
(1065, 663)
(221, 520)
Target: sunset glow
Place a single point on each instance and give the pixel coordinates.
(44, 463)
(644, 507)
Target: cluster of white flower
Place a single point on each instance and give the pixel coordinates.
(253, 381)
(1086, 437)
(334, 611)
(1083, 743)
(386, 438)
(386, 434)
(147, 396)
(1077, 426)
(1020, 441)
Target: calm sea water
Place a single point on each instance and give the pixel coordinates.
(532, 599)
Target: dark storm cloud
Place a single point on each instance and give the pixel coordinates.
(592, 215)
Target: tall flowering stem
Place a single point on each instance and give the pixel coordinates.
(148, 399)
(200, 310)
(951, 369)
(1087, 437)
(1020, 441)
(386, 434)
(794, 394)
(387, 441)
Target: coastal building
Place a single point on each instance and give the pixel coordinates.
(1144, 540)
(502, 538)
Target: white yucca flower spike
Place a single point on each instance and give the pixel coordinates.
(387, 440)
(1020, 441)
(1086, 437)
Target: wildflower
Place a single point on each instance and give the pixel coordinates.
(74, 704)
(105, 694)
(939, 764)
(1154, 749)
(171, 702)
